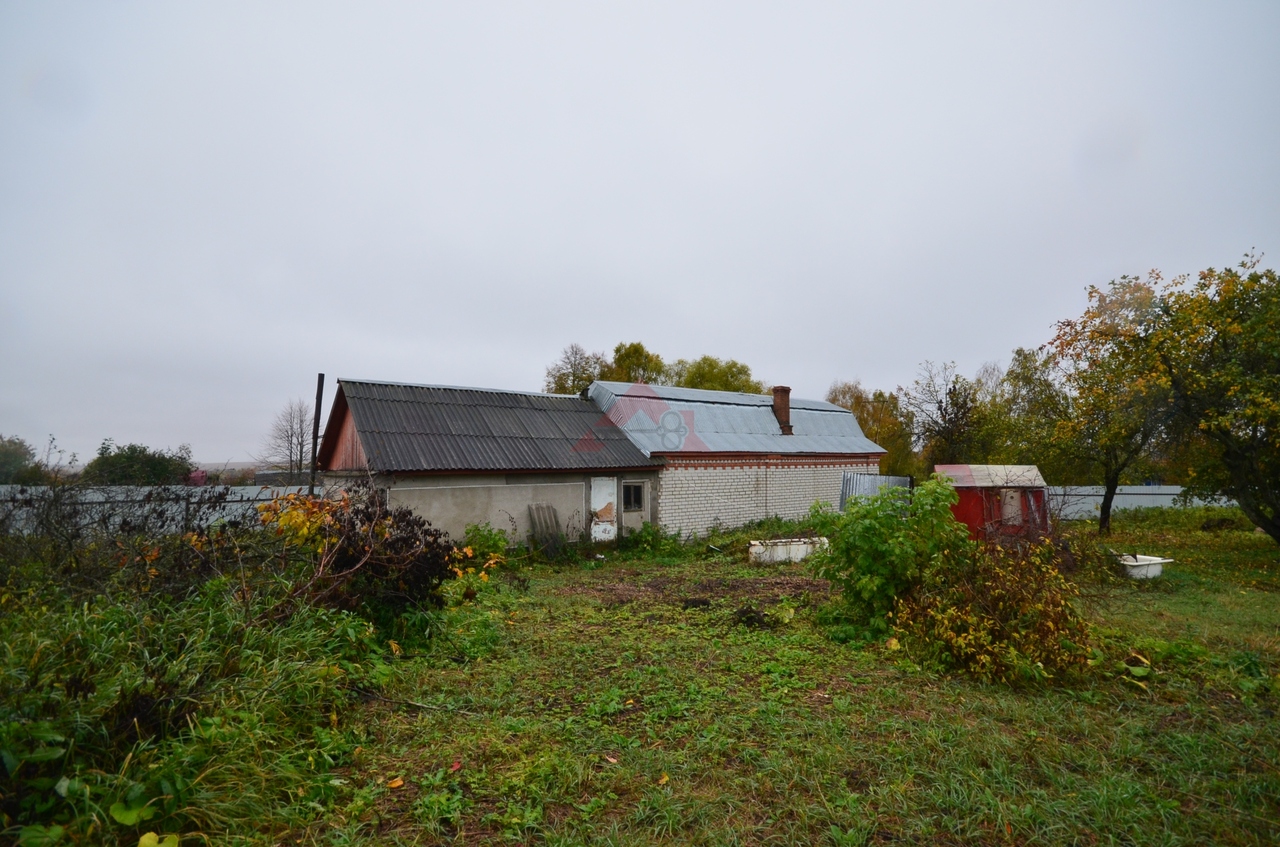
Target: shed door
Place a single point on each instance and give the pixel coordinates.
(1011, 507)
(604, 508)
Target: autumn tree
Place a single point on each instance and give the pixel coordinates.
(713, 374)
(1118, 402)
(287, 445)
(1217, 349)
(634, 363)
(884, 421)
(574, 370)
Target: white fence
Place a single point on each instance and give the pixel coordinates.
(175, 508)
(1074, 502)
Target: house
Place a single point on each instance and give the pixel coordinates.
(609, 460)
(999, 500)
(730, 458)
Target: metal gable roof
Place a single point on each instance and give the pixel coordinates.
(405, 428)
(665, 420)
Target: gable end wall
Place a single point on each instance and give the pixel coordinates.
(348, 453)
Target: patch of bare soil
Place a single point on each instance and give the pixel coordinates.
(694, 593)
(764, 590)
(607, 594)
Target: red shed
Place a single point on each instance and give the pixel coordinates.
(999, 500)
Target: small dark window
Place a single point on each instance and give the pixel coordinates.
(632, 497)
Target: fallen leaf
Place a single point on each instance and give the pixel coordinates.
(395, 783)
(611, 760)
(456, 766)
(892, 644)
(664, 780)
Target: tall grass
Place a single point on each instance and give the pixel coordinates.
(200, 684)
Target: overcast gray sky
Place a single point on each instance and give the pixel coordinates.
(202, 205)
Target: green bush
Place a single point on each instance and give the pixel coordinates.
(651, 540)
(486, 541)
(880, 547)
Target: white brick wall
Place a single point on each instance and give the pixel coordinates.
(692, 499)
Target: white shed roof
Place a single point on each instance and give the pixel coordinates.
(992, 476)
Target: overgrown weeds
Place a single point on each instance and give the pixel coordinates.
(195, 683)
(599, 707)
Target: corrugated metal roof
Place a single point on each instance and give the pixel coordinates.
(435, 427)
(665, 420)
(992, 476)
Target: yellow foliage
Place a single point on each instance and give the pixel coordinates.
(1000, 615)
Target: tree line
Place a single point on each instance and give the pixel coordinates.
(1176, 382)
(633, 362)
(114, 464)
(286, 449)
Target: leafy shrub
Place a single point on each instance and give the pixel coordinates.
(486, 541)
(999, 614)
(881, 546)
(472, 571)
(363, 555)
(650, 539)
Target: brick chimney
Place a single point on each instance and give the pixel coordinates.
(782, 407)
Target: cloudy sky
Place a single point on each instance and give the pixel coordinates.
(203, 205)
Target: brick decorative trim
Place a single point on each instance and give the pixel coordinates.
(774, 460)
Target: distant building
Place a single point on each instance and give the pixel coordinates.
(608, 461)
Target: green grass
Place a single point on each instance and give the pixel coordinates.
(599, 706)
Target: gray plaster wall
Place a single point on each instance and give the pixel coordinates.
(451, 502)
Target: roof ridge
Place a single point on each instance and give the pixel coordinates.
(457, 388)
(762, 400)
